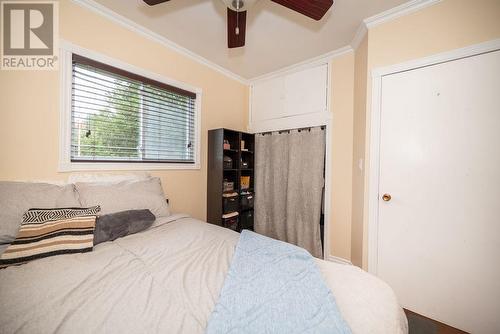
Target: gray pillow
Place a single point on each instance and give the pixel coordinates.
(126, 195)
(18, 197)
(120, 224)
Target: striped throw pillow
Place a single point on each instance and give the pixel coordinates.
(48, 232)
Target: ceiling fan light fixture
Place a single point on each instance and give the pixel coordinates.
(239, 5)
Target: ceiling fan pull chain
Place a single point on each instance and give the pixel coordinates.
(237, 29)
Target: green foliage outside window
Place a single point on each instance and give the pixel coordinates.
(115, 130)
(115, 119)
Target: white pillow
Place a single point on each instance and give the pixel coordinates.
(125, 195)
(107, 177)
(18, 197)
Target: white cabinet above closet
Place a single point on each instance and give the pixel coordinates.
(297, 99)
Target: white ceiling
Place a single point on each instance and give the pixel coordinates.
(276, 36)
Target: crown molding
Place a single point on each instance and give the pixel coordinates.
(368, 23)
(398, 11)
(358, 37)
(389, 15)
(131, 25)
(321, 59)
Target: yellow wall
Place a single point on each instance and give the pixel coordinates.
(448, 25)
(29, 105)
(358, 138)
(341, 200)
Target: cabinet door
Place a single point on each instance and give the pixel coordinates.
(268, 100)
(305, 91)
(300, 93)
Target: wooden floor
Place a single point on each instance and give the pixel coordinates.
(418, 324)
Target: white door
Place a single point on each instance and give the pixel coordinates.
(439, 234)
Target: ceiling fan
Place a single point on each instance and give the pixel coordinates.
(237, 14)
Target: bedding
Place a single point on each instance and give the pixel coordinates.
(18, 197)
(50, 232)
(125, 195)
(166, 279)
(107, 177)
(282, 288)
(120, 224)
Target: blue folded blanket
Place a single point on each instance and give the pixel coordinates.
(274, 287)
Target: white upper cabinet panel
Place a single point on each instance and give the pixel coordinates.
(268, 99)
(305, 91)
(290, 97)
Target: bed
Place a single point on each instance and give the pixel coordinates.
(165, 279)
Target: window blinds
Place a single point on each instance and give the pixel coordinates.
(118, 116)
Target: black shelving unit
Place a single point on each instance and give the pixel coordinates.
(218, 204)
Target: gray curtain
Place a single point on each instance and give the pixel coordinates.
(289, 168)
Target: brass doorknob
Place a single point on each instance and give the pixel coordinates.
(386, 197)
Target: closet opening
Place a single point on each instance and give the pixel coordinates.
(289, 183)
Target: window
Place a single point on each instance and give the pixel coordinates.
(119, 116)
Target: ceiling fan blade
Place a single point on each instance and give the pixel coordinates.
(154, 2)
(236, 27)
(314, 9)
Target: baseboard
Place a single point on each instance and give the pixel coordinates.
(337, 259)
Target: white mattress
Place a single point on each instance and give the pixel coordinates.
(166, 279)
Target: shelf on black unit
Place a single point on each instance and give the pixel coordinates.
(217, 173)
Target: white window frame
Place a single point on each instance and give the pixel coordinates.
(66, 71)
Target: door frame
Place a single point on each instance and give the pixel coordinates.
(375, 119)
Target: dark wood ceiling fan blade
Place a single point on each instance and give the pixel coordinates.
(314, 9)
(154, 2)
(236, 28)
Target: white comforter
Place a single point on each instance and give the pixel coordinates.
(166, 279)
